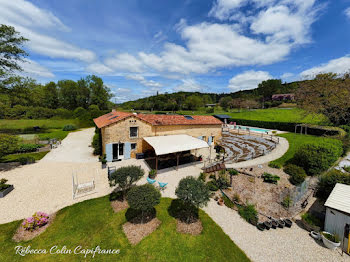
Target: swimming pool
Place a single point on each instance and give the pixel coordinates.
(254, 129)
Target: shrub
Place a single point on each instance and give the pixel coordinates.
(27, 148)
(97, 143)
(202, 177)
(249, 213)
(228, 202)
(274, 165)
(209, 110)
(39, 219)
(69, 128)
(296, 173)
(143, 198)
(311, 220)
(3, 184)
(8, 144)
(236, 198)
(287, 202)
(347, 168)
(269, 178)
(212, 176)
(26, 160)
(316, 158)
(194, 193)
(78, 112)
(212, 186)
(233, 172)
(124, 177)
(327, 182)
(222, 182)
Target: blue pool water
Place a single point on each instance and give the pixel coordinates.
(254, 129)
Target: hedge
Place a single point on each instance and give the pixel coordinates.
(287, 126)
(329, 180)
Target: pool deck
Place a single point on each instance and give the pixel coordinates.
(279, 151)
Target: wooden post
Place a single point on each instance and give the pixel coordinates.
(177, 161)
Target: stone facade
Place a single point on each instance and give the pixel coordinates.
(120, 132)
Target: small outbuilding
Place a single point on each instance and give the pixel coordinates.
(338, 213)
(223, 118)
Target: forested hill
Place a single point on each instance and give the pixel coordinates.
(193, 100)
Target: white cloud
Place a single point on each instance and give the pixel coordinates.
(27, 14)
(125, 62)
(99, 68)
(347, 12)
(248, 80)
(188, 85)
(28, 19)
(339, 66)
(222, 9)
(287, 75)
(33, 69)
(141, 79)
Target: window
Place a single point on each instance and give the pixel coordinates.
(133, 146)
(204, 138)
(134, 131)
(188, 117)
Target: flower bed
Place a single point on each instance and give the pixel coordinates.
(38, 220)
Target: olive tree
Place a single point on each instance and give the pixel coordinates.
(125, 177)
(143, 198)
(194, 193)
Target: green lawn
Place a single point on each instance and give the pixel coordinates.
(295, 141)
(53, 133)
(294, 115)
(93, 223)
(23, 124)
(15, 157)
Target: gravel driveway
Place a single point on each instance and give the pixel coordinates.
(47, 185)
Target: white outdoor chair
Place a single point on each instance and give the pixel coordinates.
(80, 189)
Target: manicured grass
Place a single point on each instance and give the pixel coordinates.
(53, 133)
(15, 157)
(22, 124)
(295, 141)
(92, 223)
(294, 115)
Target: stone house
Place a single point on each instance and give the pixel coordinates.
(123, 133)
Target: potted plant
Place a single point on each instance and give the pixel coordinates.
(330, 241)
(104, 161)
(221, 201)
(5, 188)
(152, 174)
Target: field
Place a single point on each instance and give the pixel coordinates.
(293, 115)
(295, 141)
(93, 223)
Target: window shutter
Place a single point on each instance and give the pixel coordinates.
(109, 152)
(210, 140)
(127, 150)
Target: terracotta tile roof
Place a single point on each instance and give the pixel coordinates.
(157, 120)
(110, 118)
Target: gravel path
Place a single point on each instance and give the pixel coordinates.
(279, 151)
(47, 185)
(288, 244)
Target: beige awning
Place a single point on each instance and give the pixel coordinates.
(174, 143)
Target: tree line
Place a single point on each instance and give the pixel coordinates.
(25, 97)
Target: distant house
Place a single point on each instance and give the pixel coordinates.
(126, 134)
(210, 105)
(283, 97)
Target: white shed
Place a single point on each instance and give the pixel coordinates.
(338, 212)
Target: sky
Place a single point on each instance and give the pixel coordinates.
(143, 47)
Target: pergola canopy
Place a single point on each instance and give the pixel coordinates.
(163, 145)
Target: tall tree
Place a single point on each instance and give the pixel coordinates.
(269, 87)
(100, 94)
(11, 50)
(50, 94)
(68, 94)
(327, 94)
